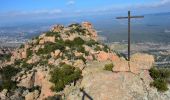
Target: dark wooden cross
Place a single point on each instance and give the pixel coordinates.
(129, 30)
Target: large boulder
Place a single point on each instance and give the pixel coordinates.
(42, 79)
(138, 63)
(111, 86)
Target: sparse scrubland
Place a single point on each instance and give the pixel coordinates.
(59, 62)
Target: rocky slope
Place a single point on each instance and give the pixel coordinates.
(70, 63)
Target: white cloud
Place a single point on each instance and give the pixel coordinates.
(71, 2)
(35, 12)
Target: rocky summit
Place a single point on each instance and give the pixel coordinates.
(70, 63)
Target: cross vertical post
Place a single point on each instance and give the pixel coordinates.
(129, 29)
(129, 35)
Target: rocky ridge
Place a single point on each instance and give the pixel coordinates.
(76, 51)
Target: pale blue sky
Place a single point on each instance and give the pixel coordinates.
(65, 8)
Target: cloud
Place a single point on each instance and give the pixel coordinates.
(33, 13)
(70, 2)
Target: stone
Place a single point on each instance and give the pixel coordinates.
(32, 95)
(79, 63)
(112, 86)
(144, 60)
(46, 39)
(89, 27)
(57, 53)
(27, 82)
(121, 66)
(89, 58)
(3, 94)
(34, 59)
(41, 42)
(78, 54)
(23, 54)
(42, 80)
(57, 28)
(102, 56)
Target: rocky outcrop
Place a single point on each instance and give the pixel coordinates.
(122, 84)
(89, 27)
(77, 46)
(138, 62)
(32, 95)
(57, 28)
(47, 39)
(104, 56)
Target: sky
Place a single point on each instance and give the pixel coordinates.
(37, 9)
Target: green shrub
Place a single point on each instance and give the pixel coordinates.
(56, 34)
(29, 52)
(18, 62)
(106, 48)
(22, 46)
(160, 77)
(4, 57)
(50, 47)
(78, 41)
(64, 75)
(154, 73)
(160, 84)
(82, 58)
(91, 43)
(97, 48)
(7, 73)
(109, 67)
(80, 49)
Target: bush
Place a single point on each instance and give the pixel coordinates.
(4, 57)
(160, 77)
(56, 34)
(97, 48)
(26, 65)
(29, 52)
(64, 75)
(22, 46)
(7, 73)
(50, 47)
(109, 67)
(160, 84)
(91, 43)
(78, 41)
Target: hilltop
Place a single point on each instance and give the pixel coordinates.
(71, 63)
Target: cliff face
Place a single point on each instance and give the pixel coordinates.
(69, 62)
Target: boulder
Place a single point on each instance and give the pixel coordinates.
(34, 59)
(102, 56)
(79, 63)
(121, 66)
(32, 95)
(27, 81)
(42, 80)
(138, 63)
(57, 53)
(3, 94)
(57, 28)
(111, 86)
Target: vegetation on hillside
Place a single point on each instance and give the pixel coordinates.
(6, 74)
(109, 67)
(160, 77)
(56, 34)
(64, 75)
(5, 57)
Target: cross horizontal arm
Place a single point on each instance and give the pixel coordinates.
(130, 17)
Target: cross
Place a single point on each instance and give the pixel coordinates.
(129, 30)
